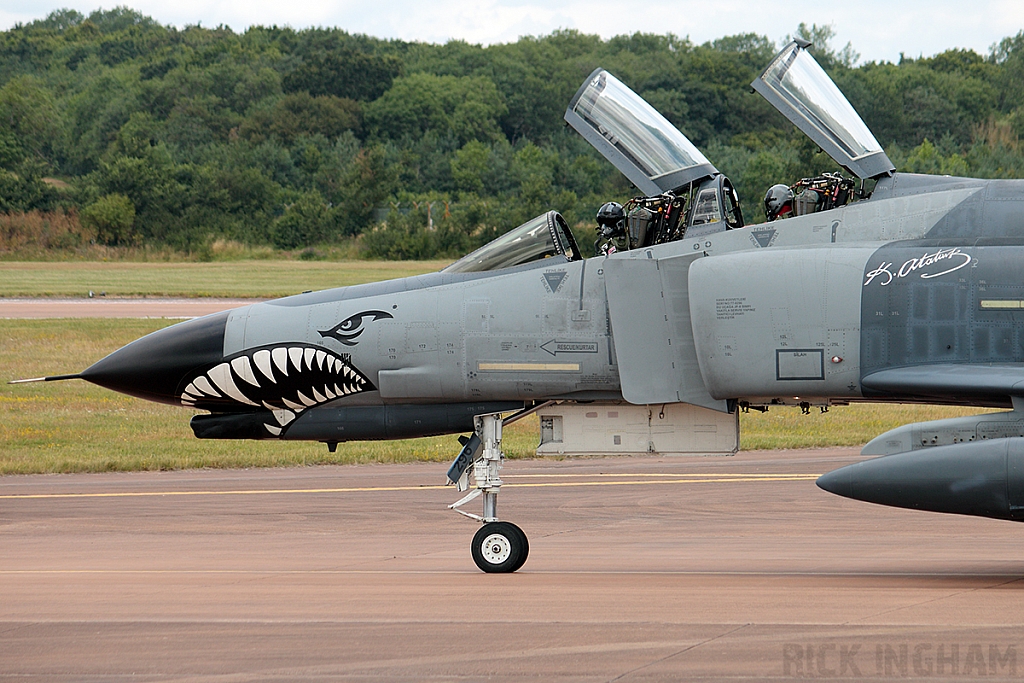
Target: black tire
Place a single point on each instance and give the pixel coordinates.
(525, 551)
(497, 547)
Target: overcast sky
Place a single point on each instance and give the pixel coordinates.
(878, 29)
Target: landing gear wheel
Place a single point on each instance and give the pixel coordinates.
(525, 551)
(499, 548)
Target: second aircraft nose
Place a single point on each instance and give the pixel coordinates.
(154, 366)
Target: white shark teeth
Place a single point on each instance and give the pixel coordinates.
(263, 362)
(297, 407)
(243, 368)
(284, 417)
(195, 390)
(254, 373)
(295, 354)
(204, 386)
(280, 356)
(222, 378)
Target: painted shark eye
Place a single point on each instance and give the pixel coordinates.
(350, 328)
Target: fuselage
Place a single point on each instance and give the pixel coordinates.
(800, 310)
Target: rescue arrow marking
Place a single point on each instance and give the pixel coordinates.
(555, 347)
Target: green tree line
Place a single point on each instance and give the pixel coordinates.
(145, 134)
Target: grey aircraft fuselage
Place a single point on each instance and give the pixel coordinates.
(913, 292)
(814, 309)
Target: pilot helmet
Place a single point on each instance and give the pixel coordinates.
(611, 218)
(778, 201)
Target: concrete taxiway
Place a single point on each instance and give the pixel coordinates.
(641, 569)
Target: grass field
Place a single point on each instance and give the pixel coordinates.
(230, 279)
(74, 426)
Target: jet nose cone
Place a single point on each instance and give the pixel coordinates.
(154, 366)
(838, 482)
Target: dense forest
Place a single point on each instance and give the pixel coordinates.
(118, 131)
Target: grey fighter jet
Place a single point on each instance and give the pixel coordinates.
(880, 286)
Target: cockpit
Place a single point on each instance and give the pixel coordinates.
(683, 193)
(545, 237)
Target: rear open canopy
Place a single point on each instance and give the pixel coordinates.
(799, 88)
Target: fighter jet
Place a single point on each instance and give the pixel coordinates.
(871, 286)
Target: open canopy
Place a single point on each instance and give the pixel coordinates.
(543, 237)
(798, 87)
(631, 134)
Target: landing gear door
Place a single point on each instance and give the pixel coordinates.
(799, 88)
(634, 136)
(649, 306)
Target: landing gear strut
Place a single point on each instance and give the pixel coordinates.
(498, 547)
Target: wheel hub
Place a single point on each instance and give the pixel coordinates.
(496, 548)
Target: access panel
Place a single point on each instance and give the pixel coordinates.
(649, 306)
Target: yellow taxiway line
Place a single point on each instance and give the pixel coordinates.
(666, 475)
(651, 481)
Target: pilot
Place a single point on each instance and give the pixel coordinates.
(778, 202)
(611, 224)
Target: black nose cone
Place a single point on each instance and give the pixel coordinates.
(154, 366)
(838, 481)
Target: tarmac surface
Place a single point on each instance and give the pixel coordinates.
(104, 307)
(641, 569)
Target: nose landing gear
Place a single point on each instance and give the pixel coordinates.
(498, 547)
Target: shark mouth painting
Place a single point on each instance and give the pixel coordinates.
(283, 379)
